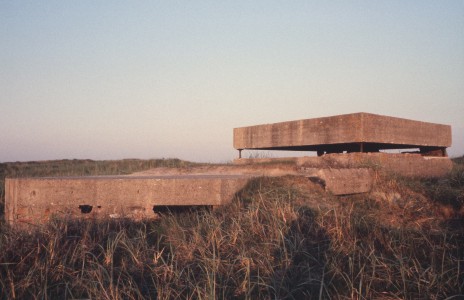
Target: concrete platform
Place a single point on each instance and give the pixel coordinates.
(35, 200)
(358, 132)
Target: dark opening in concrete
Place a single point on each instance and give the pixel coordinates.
(85, 209)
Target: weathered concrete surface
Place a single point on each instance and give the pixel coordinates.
(344, 181)
(35, 200)
(411, 165)
(358, 132)
(339, 181)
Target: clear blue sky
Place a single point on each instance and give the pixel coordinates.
(152, 79)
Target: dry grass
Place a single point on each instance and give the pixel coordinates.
(281, 238)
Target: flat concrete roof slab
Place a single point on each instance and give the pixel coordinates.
(311, 134)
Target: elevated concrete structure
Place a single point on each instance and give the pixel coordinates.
(35, 200)
(358, 132)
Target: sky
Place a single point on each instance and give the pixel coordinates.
(165, 79)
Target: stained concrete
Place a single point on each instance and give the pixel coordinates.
(343, 181)
(35, 200)
(358, 132)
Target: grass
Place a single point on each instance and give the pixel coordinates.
(281, 238)
(448, 190)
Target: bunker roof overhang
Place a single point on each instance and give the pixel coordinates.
(344, 133)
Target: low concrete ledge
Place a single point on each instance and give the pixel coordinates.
(35, 200)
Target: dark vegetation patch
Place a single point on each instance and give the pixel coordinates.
(281, 238)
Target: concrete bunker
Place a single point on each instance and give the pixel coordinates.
(358, 136)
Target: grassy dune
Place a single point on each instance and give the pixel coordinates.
(281, 238)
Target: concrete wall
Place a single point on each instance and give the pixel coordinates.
(35, 200)
(343, 129)
(391, 130)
